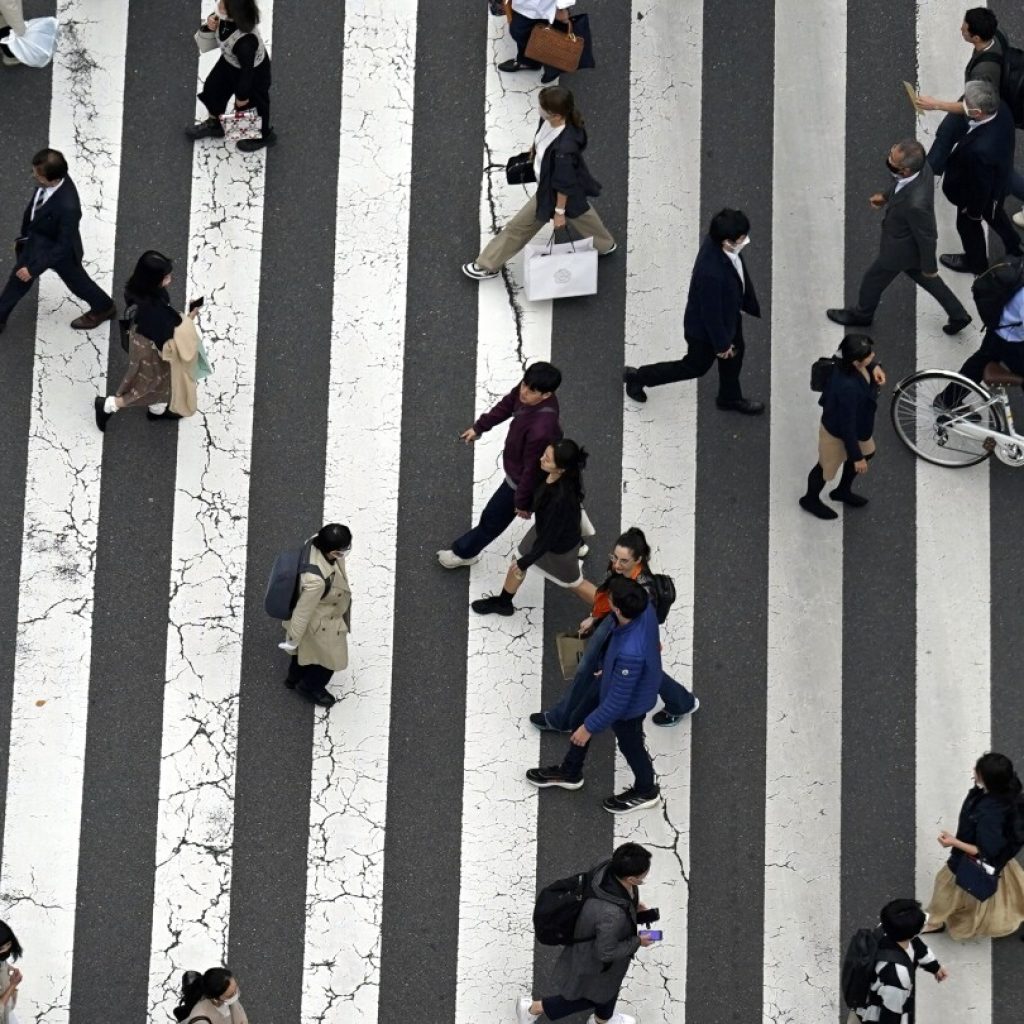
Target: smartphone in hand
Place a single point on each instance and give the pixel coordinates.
(653, 936)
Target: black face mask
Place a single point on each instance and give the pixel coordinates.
(896, 172)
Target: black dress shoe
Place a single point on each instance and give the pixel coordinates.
(268, 138)
(321, 698)
(634, 388)
(955, 326)
(102, 416)
(847, 318)
(743, 405)
(549, 76)
(958, 261)
(515, 65)
(818, 508)
(211, 128)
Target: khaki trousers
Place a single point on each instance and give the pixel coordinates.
(524, 225)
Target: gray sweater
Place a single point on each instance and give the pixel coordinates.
(595, 970)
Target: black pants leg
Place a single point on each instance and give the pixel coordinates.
(79, 283)
(260, 93)
(941, 292)
(520, 28)
(999, 221)
(699, 358)
(972, 235)
(875, 280)
(630, 736)
(219, 87)
(974, 366)
(729, 389)
(14, 291)
(313, 679)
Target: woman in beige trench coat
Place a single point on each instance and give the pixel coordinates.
(210, 997)
(10, 977)
(317, 633)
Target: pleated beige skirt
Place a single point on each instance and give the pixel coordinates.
(968, 918)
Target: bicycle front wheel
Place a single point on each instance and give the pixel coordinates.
(926, 408)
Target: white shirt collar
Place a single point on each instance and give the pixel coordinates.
(734, 258)
(984, 120)
(905, 181)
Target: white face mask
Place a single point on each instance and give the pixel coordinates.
(232, 1000)
(737, 247)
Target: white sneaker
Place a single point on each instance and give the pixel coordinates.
(523, 1015)
(584, 550)
(616, 1018)
(1018, 219)
(450, 560)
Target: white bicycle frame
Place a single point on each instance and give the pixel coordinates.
(1008, 447)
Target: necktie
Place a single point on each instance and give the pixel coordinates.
(40, 196)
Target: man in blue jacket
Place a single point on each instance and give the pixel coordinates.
(630, 671)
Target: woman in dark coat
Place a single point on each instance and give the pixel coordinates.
(243, 71)
(847, 424)
(564, 184)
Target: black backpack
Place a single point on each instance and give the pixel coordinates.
(558, 908)
(994, 289)
(664, 588)
(283, 586)
(862, 954)
(1011, 78)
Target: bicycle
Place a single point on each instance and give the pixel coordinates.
(949, 420)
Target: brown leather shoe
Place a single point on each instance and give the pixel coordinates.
(87, 321)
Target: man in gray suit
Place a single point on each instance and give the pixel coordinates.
(908, 241)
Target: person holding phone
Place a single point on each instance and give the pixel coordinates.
(588, 974)
(10, 977)
(163, 348)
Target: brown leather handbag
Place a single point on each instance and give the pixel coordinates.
(557, 48)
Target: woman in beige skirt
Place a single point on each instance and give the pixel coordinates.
(991, 828)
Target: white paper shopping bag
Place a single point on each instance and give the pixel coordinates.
(560, 271)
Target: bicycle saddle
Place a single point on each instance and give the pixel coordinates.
(1000, 376)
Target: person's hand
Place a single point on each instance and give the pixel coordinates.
(927, 102)
(646, 940)
(861, 466)
(240, 104)
(22, 274)
(581, 737)
(877, 200)
(947, 839)
(517, 573)
(642, 907)
(212, 22)
(879, 376)
(558, 220)
(562, 15)
(193, 313)
(15, 977)
(728, 353)
(523, 513)
(587, 624)
(941, 974)
(469, 436)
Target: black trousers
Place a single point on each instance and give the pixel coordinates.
(520, 28)
(877, 278)
(72, 273)
(973, 237)
(312, 679)
(994, 350)
(220, 85)
(700, 357)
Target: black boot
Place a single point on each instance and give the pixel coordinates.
(811, 501)
(211, 128)
(843, 492)
(494, 604)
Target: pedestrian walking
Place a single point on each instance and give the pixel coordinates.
(12, 20)
(1002, 344)
(590, 971)
(631, 558)
(977, 179)
(50, 240)
(532, 409)
(880, 967)
(526, 16)
(989, 835)
(163, 349)
(630, 668)
(10, 977)
(846, 431)
(212, 995)
(316, 636)
(553, 543)
(720, 291)
(243, 71)
(909, 236)
(564, 186)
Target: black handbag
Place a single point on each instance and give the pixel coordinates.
(972, 876)
(519, 169)
(124, 325)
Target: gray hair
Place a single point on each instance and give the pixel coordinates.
(981, 96)
(911, 154)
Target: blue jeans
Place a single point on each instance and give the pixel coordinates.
(581, 696)
(495, 519)
(951, 130)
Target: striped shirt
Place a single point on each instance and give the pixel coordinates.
(892, 991)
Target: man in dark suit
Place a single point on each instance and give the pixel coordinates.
(720, 290)
(977, 178)
(50, 240)
(908, 241)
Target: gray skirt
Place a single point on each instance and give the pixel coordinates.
(564, 570)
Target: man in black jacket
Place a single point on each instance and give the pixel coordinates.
(908, 241)
(977, 178)
(720, 290)
(50, 240)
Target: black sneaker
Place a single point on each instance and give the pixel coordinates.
(211, 128)
(634, 388)
(321, 698)
(543, 778)
(268, 138)
(667, 718)
(631, 800)
(539, 719)
(493, 604)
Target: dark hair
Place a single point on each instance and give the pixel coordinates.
(147, 278)
(911, 155)
(195, 986)
(244, 13)
(333, 537)
(902, 919)
(629, 860)
(571, 458)
(52, 164)
(628, 596)
(558, 100)
(542, 377)
(981, 22)
(853, 348)
(7, 935)
(997, 774)
(727, 225)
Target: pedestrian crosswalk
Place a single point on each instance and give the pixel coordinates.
(380, 860)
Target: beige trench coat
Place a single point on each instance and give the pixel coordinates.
(182, 353)
(11, 14)
(204, 1008)
(5, 980)
(320, 623)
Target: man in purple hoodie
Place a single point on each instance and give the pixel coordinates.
(533, 409)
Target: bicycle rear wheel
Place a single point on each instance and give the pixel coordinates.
(926, 407)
